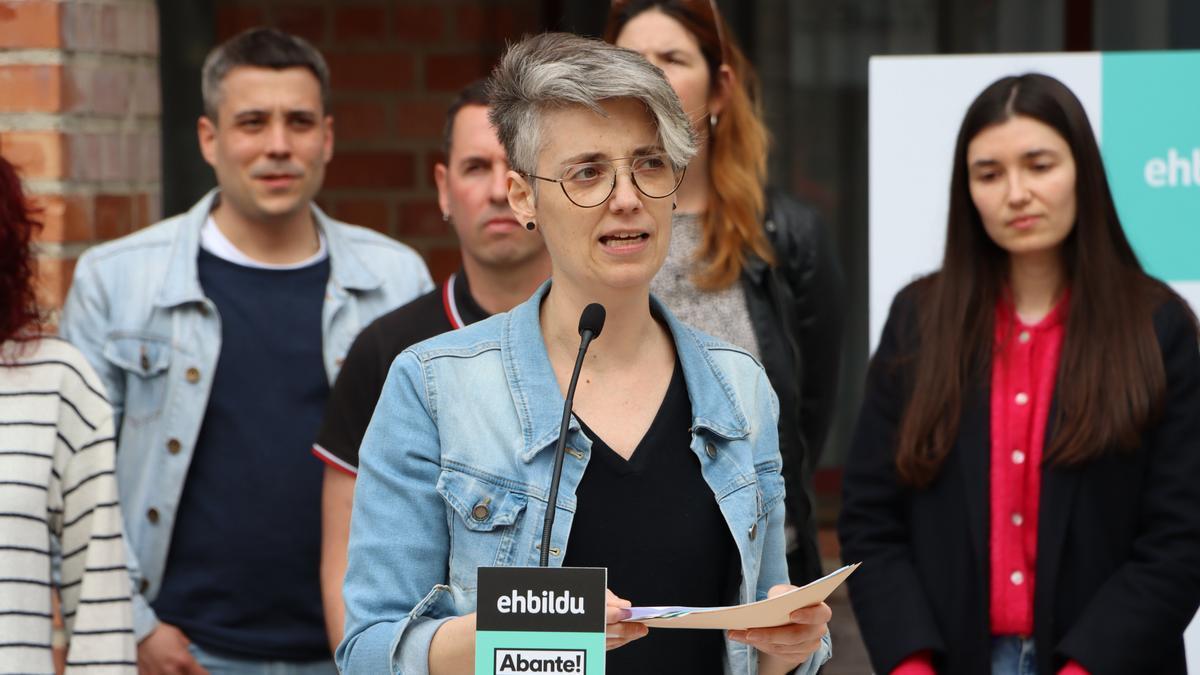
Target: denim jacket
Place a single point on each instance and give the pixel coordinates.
(137, 311)
(455, 470)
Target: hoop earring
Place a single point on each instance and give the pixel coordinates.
(530, 225)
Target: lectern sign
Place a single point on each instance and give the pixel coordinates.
(540, 620)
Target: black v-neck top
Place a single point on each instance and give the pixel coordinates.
(654, 523)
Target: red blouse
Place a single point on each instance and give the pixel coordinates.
(1024, 371)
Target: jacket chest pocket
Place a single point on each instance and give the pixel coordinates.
(145, 361)
(482, 520)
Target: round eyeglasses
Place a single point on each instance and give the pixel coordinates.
(590, 184)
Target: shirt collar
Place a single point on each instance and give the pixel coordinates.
(1006, 313)
(468, 308)
(539, 401)
(182, 284)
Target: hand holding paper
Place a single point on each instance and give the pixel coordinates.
(774, 611)
(618, 632)
(792, 643)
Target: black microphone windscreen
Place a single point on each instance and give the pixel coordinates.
(592, 319)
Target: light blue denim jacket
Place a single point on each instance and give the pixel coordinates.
(470, 418)
(137, 311)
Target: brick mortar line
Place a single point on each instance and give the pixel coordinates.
(364, 191)
(77, 122)
(386, 144)
(32, 57)
(51, 187)
(396, 197)
(367, 96)
(91, 57)
(48, 250)
(100, 3)
(71, 57)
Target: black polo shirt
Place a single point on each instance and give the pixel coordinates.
(352, 401)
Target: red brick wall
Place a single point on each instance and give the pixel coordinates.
(395, 65)
(79, 117)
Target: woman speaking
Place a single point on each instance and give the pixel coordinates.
(672, 476)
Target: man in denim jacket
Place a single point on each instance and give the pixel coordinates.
(217, 333)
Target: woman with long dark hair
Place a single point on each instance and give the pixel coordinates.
(749, 265)
(58, 494)
(1021, 488)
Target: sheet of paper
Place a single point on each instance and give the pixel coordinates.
(771, 612)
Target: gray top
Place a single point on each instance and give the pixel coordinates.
(722, 313)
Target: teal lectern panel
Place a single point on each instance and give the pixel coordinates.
(540, 620)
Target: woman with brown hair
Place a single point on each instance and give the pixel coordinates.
(1032, 414)
(58, 494)
(749, 265)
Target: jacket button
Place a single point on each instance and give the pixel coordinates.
(710, 450)
(174, 446)
(152, 515)
(480, 512)
(753, 531)
(192, 375)
(144, 586)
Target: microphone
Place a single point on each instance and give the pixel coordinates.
(590, 324)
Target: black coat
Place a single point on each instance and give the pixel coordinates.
(1118, 558)
(797, 310)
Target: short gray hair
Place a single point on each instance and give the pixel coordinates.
(260, 48)
(555, 70)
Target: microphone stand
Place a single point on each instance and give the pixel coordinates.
(589, 328)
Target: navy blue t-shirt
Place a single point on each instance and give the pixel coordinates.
(242, 575)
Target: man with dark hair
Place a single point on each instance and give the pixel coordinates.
(502, 264)
(217, 334)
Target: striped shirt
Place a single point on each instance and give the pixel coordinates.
(59, 512)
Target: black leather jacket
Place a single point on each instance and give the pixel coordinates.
(797, 310)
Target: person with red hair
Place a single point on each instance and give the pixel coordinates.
(58, 492)
(750, 265)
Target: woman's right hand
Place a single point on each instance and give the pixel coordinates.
(617, 633)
